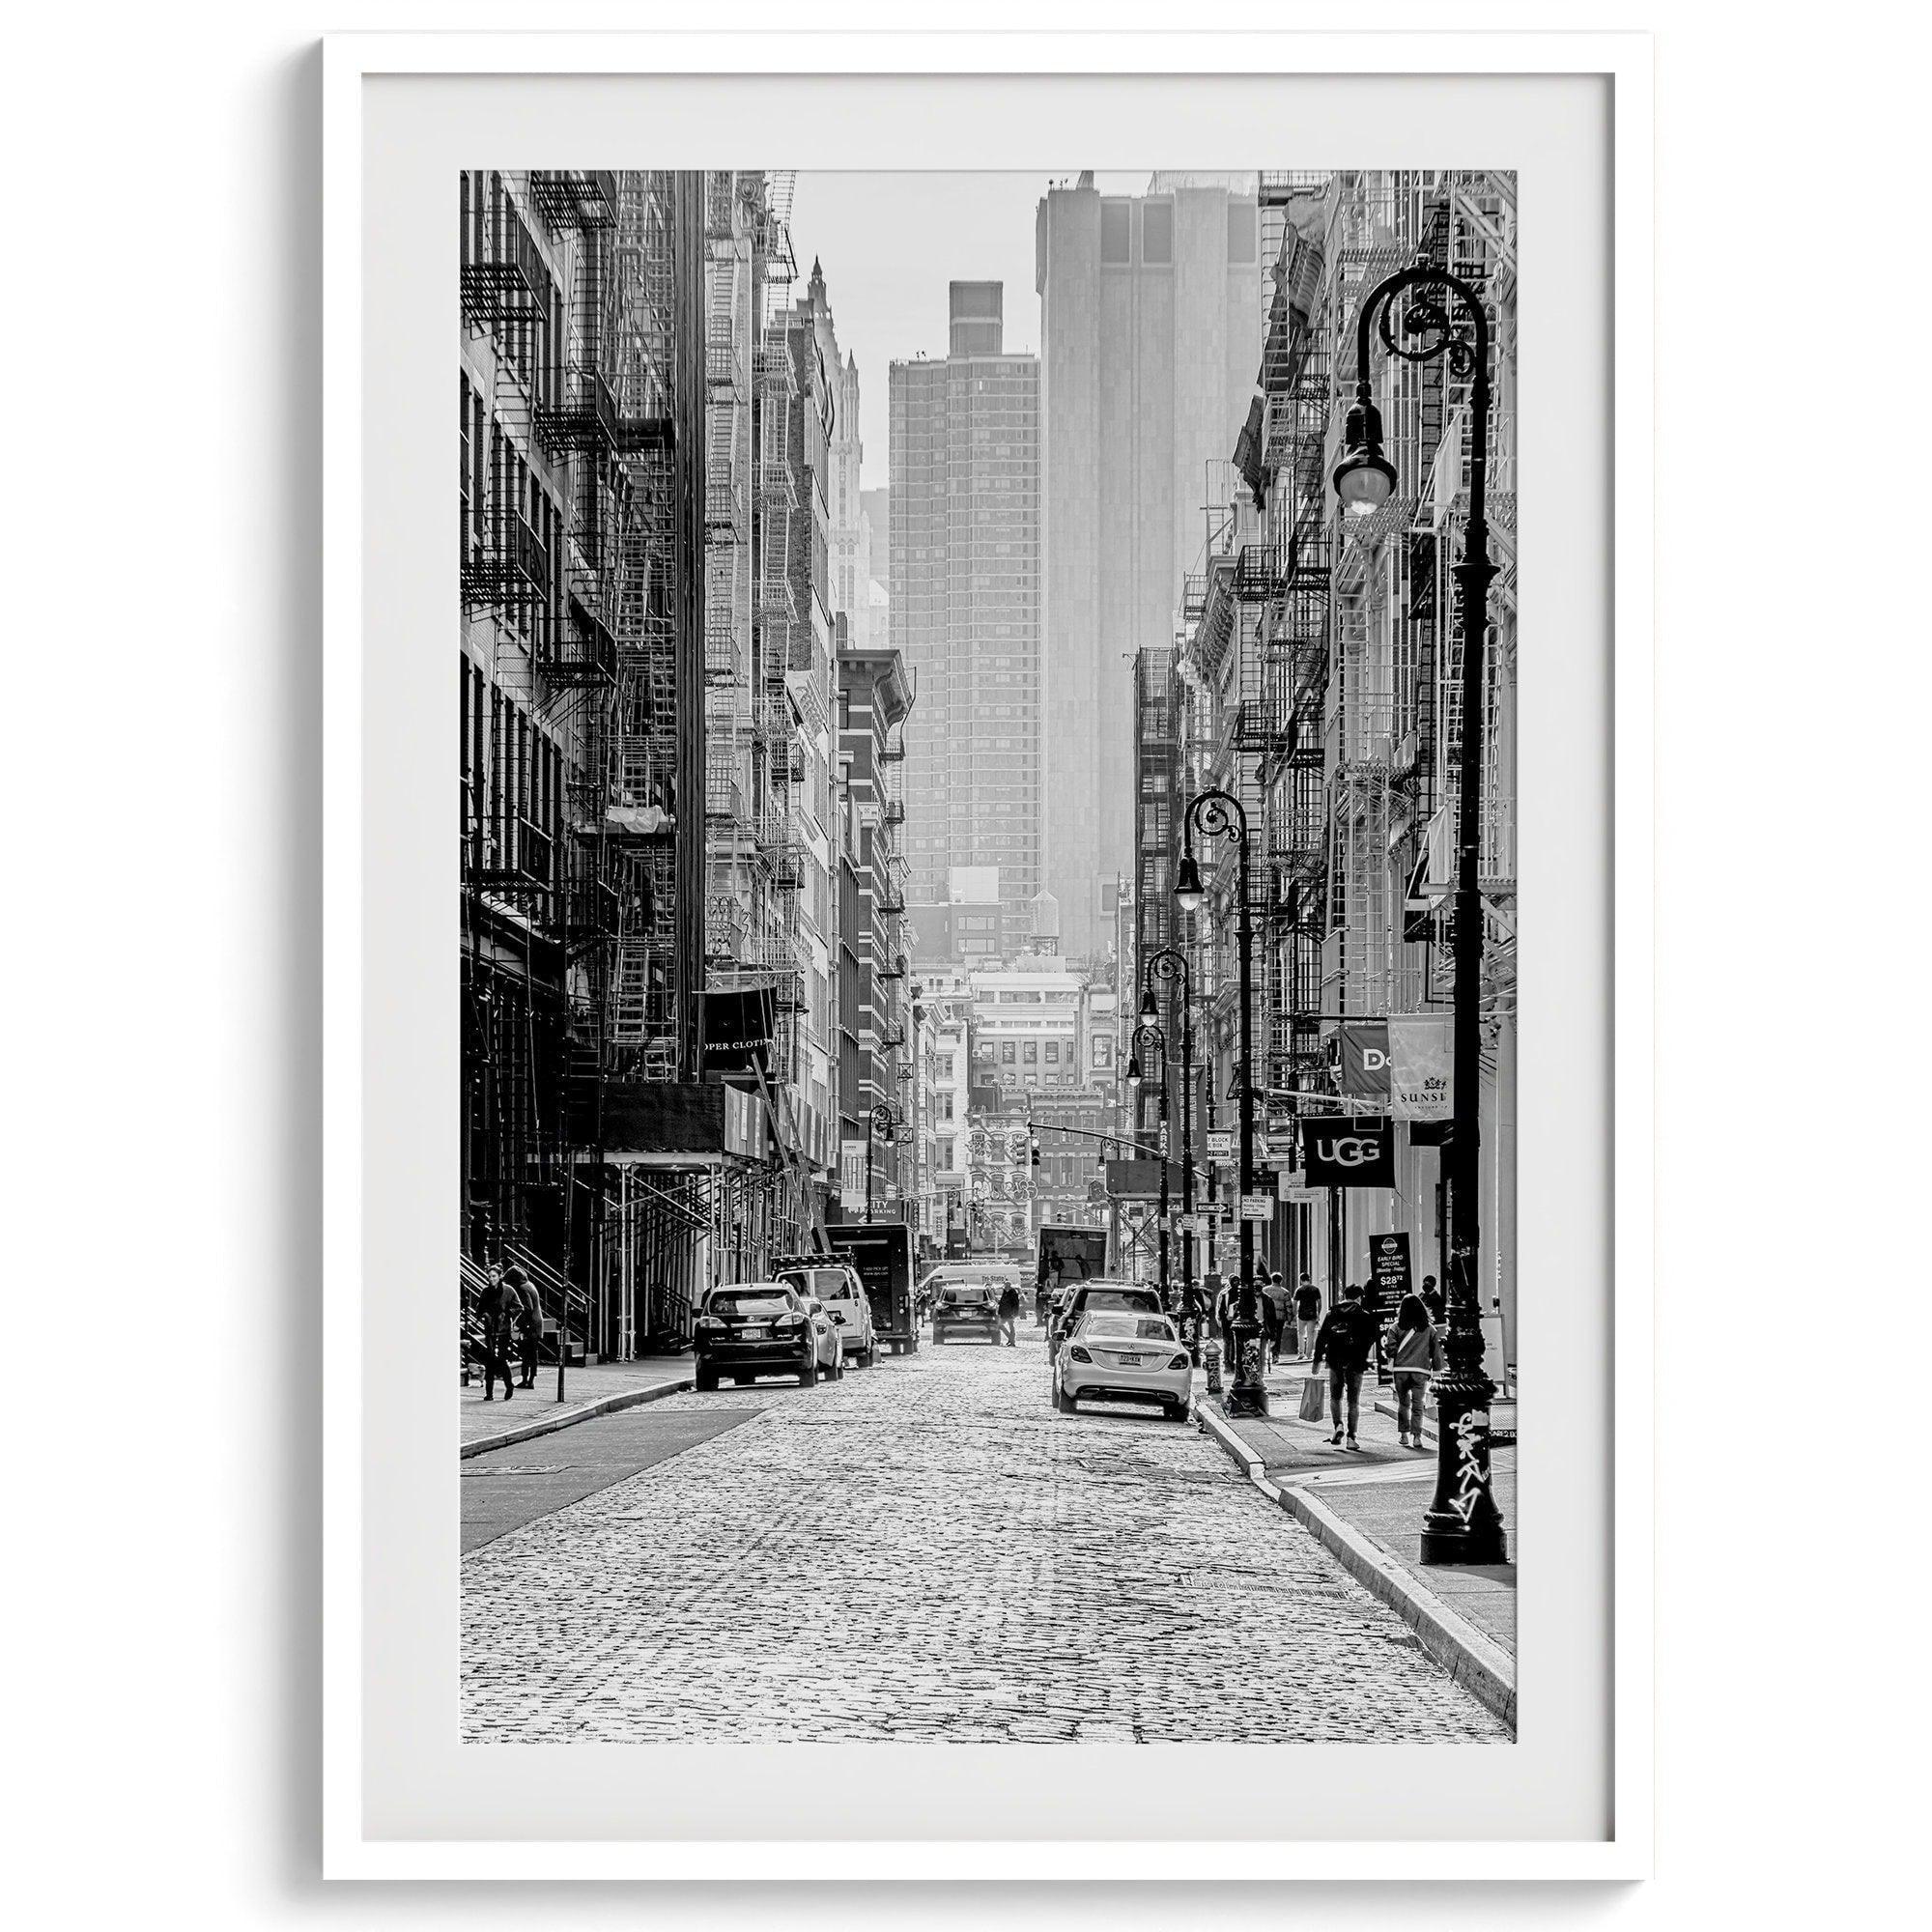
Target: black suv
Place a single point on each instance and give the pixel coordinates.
(763, 1328)
(965, 1308)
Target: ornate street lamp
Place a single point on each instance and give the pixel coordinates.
(1219, 815)
(1169, 966)
(1462, 1523)
(1156, 1042)
(882, 1121)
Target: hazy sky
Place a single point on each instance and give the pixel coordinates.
(889, 243)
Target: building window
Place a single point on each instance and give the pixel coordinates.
(1117, 231)
(1240, 230)
(1032, 1053)
(1053, 1053)
(1157, 234)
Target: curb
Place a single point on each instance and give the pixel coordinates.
(548, 1425)
(1477, 1662)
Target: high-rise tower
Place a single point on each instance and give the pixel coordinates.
(1149, 346)
(965, 606)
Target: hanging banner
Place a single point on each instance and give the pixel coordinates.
(1357, 1152)
(1364, 1073)
(736, 1030)
(1421, 1063)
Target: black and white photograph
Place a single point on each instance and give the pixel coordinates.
(1129, 1218)
(987, 937)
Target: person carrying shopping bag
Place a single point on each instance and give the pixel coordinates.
(1417, 1356)
(1348, 1337)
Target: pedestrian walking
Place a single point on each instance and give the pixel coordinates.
(1226, 1309)
(1009, 1314)
(1348, 1338)
(1275, 1316)
(497, 1308)
(1433, 1298)
(1307, 1314)
(529, 1318)
(1416, 1357)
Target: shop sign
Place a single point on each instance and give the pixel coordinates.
(1356, 1151)
(735, 1036)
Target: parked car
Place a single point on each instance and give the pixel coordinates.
(836, 1284)
(1091, 1297)
(752, 1329)
(1124, 1355)
(966, 1309)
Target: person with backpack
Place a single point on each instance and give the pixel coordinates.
(1416, 1357)
(1307, 1315)
(1346, 1341)
(527, 1314)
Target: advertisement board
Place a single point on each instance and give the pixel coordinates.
(1388, 1259)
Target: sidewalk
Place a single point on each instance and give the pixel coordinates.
(1367, 1504)
(594, 1389)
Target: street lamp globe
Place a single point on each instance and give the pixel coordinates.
(1188, 893)
(1364, 478)
(1133, 1069)
(1149, 1009)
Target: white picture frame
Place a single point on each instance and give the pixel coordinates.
(372, 1104)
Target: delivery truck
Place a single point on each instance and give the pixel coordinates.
(882, 1252)
(1065, 1254)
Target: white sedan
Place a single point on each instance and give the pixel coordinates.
(1124, 1355)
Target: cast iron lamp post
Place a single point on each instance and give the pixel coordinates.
(1169, 964)
(1156, 1042)
(1219, 815)
(1462, 1523)
(881, 1120)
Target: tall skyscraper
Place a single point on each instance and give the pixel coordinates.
(1150, 321)
(965, 596)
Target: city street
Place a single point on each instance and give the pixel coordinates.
(925, 1550)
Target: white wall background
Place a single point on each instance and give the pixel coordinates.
(161, 776)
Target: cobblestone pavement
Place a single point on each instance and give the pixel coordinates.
(927, 1552)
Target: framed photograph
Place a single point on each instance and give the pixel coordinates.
(1022, 1067)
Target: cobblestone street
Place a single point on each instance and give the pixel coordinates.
(927, 1550)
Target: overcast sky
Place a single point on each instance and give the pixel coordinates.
(889, 243)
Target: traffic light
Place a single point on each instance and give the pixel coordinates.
(1035, 1149)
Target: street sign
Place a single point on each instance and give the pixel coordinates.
(1220, 1144)
(1257, 1208)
